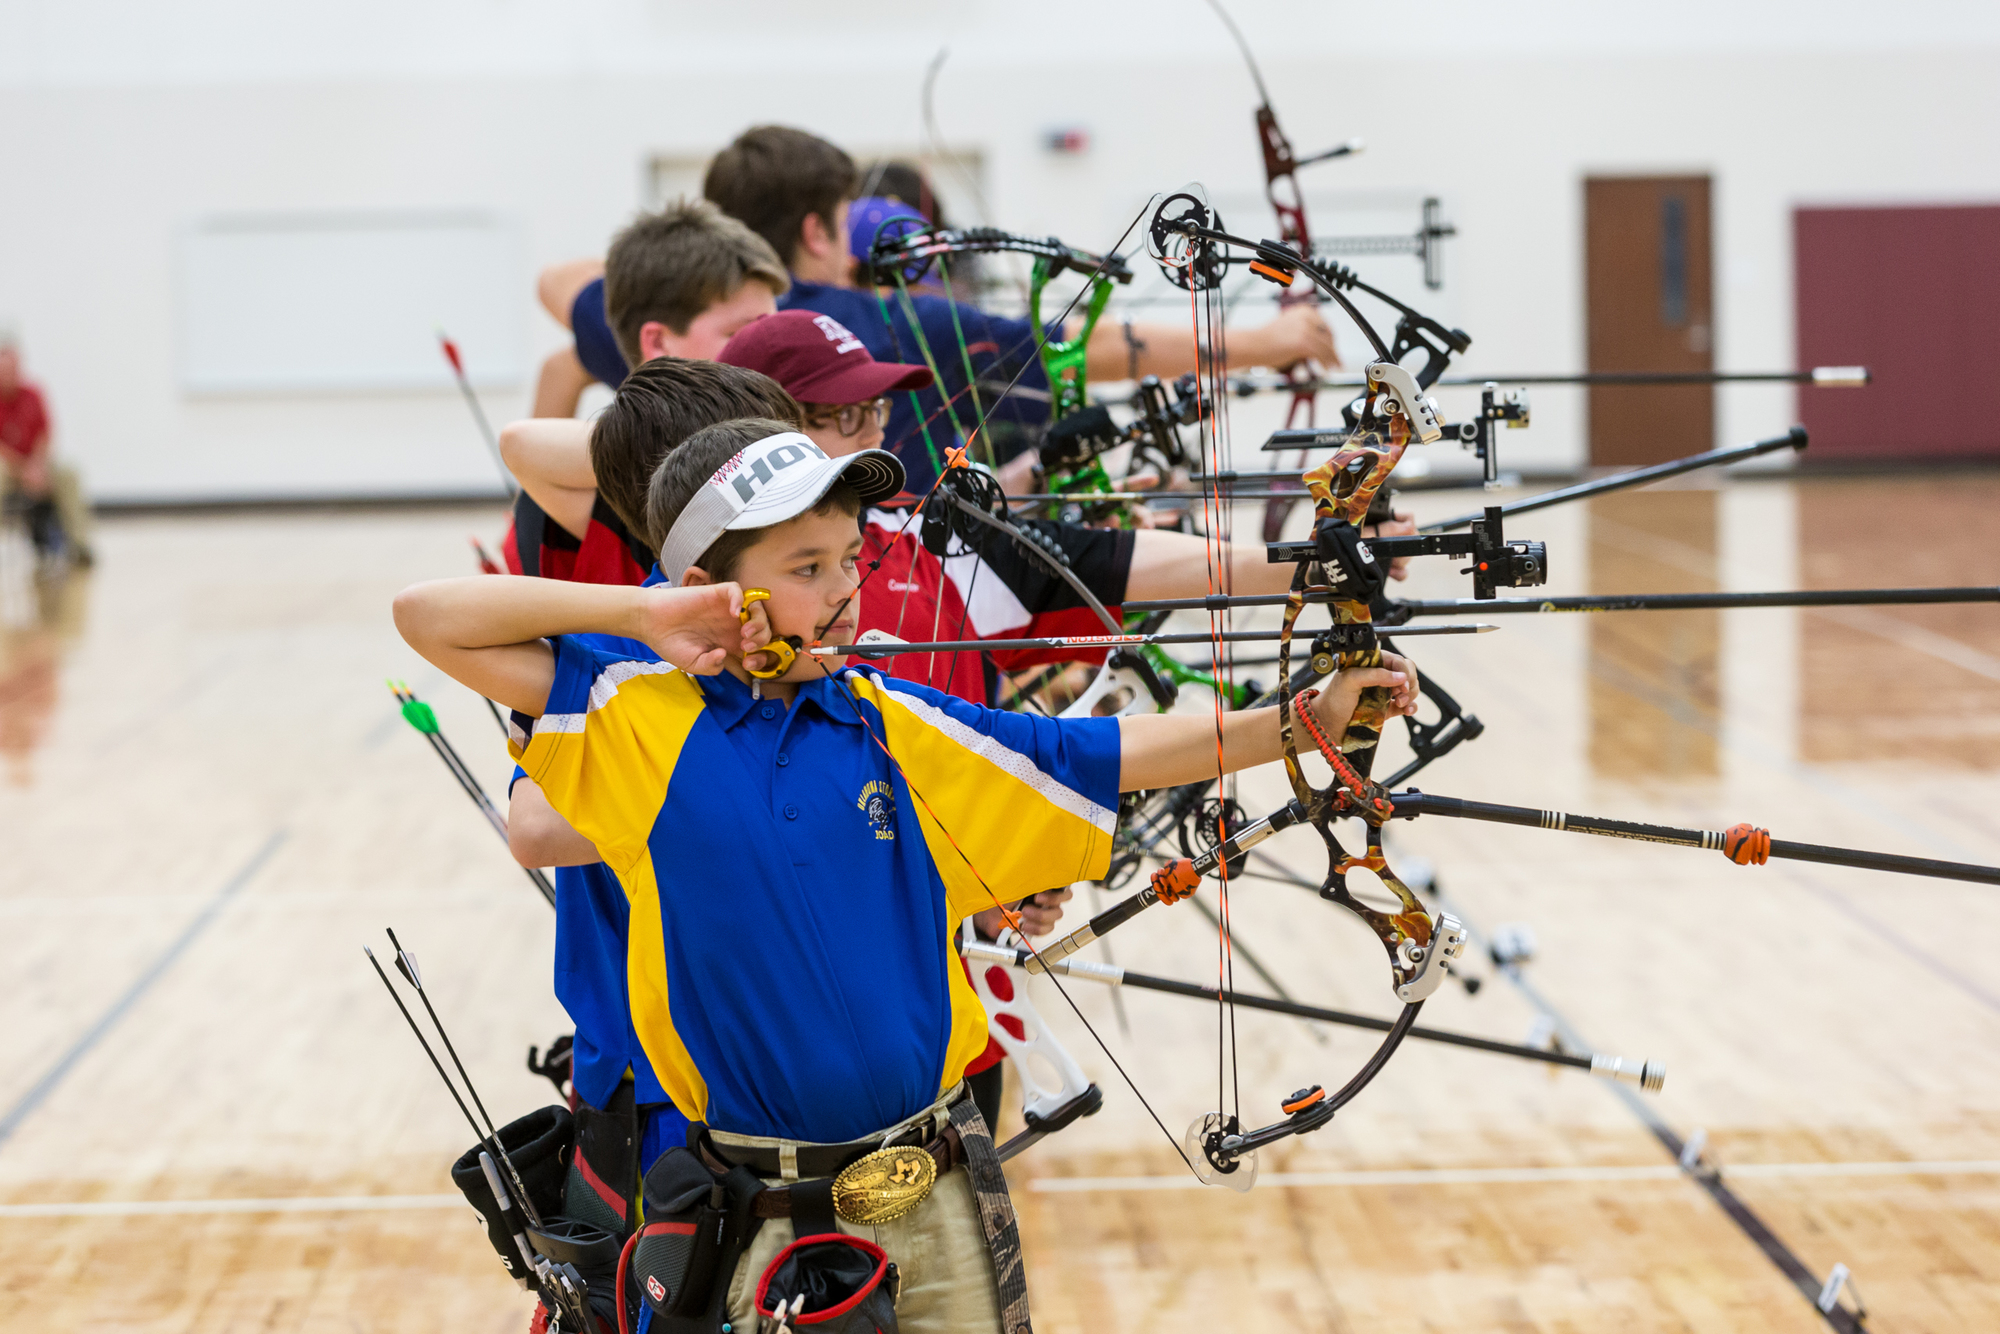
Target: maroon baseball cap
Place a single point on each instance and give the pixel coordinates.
(817, 360)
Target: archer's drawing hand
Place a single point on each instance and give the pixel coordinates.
(757, 632)
(1342, 695)
(1403, 524)
(696, 628)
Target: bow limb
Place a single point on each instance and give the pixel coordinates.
(1343, 488)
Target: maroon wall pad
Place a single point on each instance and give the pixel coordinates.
(1914, 295)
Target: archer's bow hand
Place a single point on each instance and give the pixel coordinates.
(1299, 334)
(697, 628)
(1335, 704)
(1401, 524)
(1037, 915)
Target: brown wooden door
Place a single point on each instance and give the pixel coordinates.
(1646, 272)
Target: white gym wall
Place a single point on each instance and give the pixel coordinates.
(137, 133)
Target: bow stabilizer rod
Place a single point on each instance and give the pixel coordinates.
(1744, 844)
(1823, 377)
(1170, 884)
(1649, 1075)
(1809, 597)
(1794, 439)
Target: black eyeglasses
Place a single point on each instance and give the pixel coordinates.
(849, 418)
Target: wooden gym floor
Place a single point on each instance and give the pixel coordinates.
(212, 1119)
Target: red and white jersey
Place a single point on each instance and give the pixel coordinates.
(996, 591)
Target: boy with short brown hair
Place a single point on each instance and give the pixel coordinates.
(679, 282)
(813, 1013)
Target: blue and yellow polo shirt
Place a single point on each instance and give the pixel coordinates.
(790, 956)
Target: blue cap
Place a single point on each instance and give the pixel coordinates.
(873, 216)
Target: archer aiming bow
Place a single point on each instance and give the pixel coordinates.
(1336, 566)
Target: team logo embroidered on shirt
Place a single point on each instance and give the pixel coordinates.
(878, 802)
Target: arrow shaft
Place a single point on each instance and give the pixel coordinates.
(448, 753)
(1053, 642)
(1410, 804)
(478, 414)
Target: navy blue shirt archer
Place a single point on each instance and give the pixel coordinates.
(596, 348)
(592, 920)
(998, 346)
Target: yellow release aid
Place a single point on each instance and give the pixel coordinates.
(782, 652)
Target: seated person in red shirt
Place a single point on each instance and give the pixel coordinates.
(50, 497)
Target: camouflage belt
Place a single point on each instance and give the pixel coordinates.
(996, 1215)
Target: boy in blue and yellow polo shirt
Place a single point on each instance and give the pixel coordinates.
(798, 847)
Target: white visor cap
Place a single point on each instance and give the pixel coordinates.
(778, 478)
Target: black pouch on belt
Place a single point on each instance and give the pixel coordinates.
(604, 1170)
(539, 1145)
(832, 1284)
(697, 1224)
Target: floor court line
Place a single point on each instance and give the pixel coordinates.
(1444, 1176)
(1484, 1176)
(37, 1094)
(297, 1204)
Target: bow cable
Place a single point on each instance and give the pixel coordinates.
(955, 458)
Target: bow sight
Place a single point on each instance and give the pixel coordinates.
(1477, 434)
(1361, 562)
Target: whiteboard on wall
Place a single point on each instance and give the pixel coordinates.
(345, 302)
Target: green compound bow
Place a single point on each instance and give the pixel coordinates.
(1079, 434)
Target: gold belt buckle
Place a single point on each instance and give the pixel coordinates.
(884, 1185)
